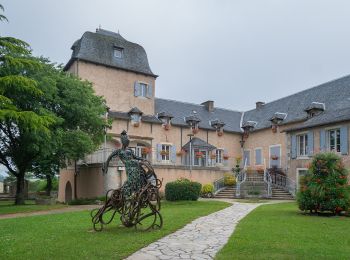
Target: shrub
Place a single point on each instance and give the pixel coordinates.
(324, 187)
(229, 179)
(207, 190)
(182, 189)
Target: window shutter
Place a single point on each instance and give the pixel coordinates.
(159, 156)
(344, 140)
(258, 157)
(137, 89)
(323, 140)
(149, 90)
(294, 147)
(310, 143)
(173, 154)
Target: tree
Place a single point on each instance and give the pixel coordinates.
(324, 188)
(42, 111)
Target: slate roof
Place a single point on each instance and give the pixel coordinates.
(335, 94)
(126, 116)
(99, 47)
(198, 143)
(181, 110)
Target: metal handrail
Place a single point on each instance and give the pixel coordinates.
(283, 182)
(267, 180)
(241, 178)
(219, 184)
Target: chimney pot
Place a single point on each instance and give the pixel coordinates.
(209, 105)
(259, 104)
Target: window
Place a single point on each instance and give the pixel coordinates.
(135, 118)
(118, 52)
(258, 156)
(165, 153)
(143, 90)
(219, 153)
(246, 158)
(275, 155)
(334, 140)
(302, 145)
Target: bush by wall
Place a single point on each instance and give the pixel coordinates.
(229, 179)
(324, 188)
(207, 190)
(182, 189)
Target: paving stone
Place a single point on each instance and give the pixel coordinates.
(201, 239)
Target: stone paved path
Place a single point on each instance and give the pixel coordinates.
(201, 239)
(51, 211)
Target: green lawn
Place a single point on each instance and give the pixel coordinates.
(281, 231)
(70, 235)
(7, 207)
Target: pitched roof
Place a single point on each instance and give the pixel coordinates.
(99, 48)
(198, 143)
(181, 110)
(334, 94)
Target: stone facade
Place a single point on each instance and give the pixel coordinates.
(267, 144)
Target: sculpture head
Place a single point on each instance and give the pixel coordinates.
(124, 139)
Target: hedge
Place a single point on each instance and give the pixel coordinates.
(182, 189)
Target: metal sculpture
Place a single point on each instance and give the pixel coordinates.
(138, 200)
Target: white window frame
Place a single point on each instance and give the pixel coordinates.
(262, 157)
(166, 147)
(219, 152)
(135, 118)
(298, 176)
(299, 155)
(328, 139)
(275, 145)
(118, 52)
(144, 89)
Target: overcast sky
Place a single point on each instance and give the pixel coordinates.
(233, 52)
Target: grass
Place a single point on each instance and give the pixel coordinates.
(281, 231)
(7, 207)
(70, 235)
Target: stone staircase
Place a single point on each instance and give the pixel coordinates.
(280, 194)
(227, 193)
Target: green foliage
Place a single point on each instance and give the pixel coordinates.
(229, 179)
(207, 188)
(182, 189)
(324, 188)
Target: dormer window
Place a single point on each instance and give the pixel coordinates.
(118, 52)
(218, 125)
(315, 109)
(135, 116)
(193, 122)
(166, 119)
(276, 119)
(247, 127)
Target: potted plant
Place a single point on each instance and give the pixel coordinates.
(164, 152)
(226, 157)
(136, 124)
(220, 133)
(166, 126)
(181, 153)
(199, 154)
(274, 157)
(274, 128)
(195, 130)
(213, 156)
(146, 150)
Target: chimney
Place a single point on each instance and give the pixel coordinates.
(259, 104)
(209, 105)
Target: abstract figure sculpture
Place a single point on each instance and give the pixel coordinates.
(138, 200)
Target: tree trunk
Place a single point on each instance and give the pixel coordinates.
(20, 189)
(75, 179)
(48, 185)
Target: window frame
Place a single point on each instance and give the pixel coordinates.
(143, 89)
(280, 154)
(336, 130)
(305, 144)
(219, 153)
(118, 50)
(250, 157)
(164, 157)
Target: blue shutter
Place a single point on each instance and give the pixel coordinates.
(149, 90)
(173, 154)
(137, 89)
(310, 143)
(323, 140)
(344, 140)
(258, 157)
(159, 156)
(294, 147)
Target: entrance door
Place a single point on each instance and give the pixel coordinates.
(68, 192)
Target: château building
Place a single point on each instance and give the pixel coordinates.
(200, 141)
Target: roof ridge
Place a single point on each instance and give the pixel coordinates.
(190, 103)
(301, 91)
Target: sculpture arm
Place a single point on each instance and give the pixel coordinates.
(115, 153)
